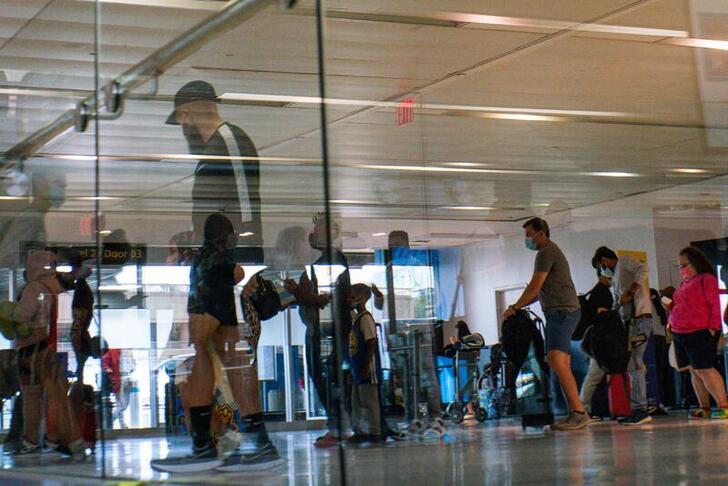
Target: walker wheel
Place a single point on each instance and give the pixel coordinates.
(480, 414)
(455, 411)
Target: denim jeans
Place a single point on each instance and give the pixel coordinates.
(639, 333)
(560, 325)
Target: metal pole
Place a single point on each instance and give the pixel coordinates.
(153, 66)
(416, 373)
(287, 367)
(391, 304)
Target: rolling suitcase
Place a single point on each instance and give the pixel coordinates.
(524, 346)
(619, 391)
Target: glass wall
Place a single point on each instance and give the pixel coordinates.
(287, 236)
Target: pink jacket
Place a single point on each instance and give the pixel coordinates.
(696, 305)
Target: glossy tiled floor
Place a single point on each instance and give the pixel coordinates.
(664, 452)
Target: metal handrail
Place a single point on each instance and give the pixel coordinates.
(151, 67)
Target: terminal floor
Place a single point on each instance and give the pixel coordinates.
(671, 450)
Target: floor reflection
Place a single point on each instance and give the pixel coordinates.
(665, 451)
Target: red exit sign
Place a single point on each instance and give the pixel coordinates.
(405, 111)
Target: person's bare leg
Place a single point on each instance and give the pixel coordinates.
(700, 391)
(560, 362)
(249, 400)
(201, 384)
(714, 384)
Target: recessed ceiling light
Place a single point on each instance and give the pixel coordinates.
(690, 171)
(614, 174)
(379, 234)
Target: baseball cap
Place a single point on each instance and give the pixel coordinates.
(192, 91)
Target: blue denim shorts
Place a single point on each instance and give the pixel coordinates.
(560, 325)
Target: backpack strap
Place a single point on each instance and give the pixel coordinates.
(246, 213)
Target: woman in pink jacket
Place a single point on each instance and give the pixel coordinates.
(696, 326)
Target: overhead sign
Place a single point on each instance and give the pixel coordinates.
(111, 253)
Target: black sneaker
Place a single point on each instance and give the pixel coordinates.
(203, 459)
(359, 438)
(639, 417)
(265, 458)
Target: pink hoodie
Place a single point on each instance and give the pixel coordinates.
(696, 305)
(36, 302)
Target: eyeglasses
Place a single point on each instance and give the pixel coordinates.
(683, 265)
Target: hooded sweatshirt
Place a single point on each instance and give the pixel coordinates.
(39, 297)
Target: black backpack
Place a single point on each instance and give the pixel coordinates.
(607, 341)
(586, 319)
(519, 331)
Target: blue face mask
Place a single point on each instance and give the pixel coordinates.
(530, 244)
(606, 272)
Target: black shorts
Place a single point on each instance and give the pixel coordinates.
(697, 349)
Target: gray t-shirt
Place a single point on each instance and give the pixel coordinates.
(558, 292)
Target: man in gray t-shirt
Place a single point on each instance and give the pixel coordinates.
(558, 292)
(551, 284)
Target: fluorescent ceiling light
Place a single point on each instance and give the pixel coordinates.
(690, 171)
(721, 45)
(46, 93)
(465, 164)
(471, 208)
(246, 234)
(70, 157)
(379, 234)
(349, 201)
(420, 168)
(96, 198)
(522, 117)
(178, 4)
(13, 198)
(460, 20)
(509, 111)
(556, 25)
(173, 157)
(614, 174)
